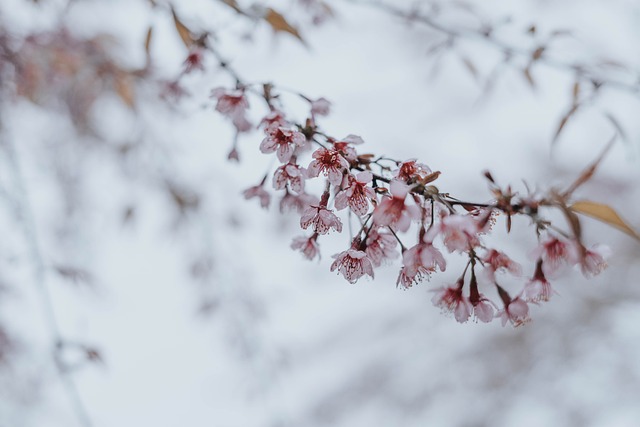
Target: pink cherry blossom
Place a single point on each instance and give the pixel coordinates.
(321, 218)
(537, 289)
(411, 171)
(259, 192)
(329, 162)
(451, 299)
(483, 307)
(357, 194)
(516, 312)
(353, 264)
(283, 141)
(233, 155)
(594, 260)
(498, 261)
(274, 120)
(459, 232)
(320, 107)
(406, 281)
(291, 174)
(483, 310)
(419, 262)
(346, 147)
(234, 105)
(556, 254)
(393, 212)
(194, 61)
(485, 219)
(307, 245)
(173, 91)
(380, 246)
(297, 202)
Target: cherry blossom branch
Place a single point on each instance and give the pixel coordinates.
(392, 213)
(399, 201)
(382, 195)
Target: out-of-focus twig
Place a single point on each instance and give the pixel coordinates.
(486, 35)
(27, 218)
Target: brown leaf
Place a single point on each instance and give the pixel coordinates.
(573, 221)
(129, 214)
(233, 4)
(93, 355)
(561, 33)
(604, 213)
(470, 66)
(124, 88)
(575, 94)
(563, 122)
(430, 178)
(588, 172)
(527, 75)
(147, 40)
(616, 124)
(184, 199)
(610, 63)
(183, 31)
(74, 274)
(327, 9)
(537, 54)
(280, 24)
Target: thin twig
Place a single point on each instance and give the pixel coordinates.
(40, 277)
(486, 36)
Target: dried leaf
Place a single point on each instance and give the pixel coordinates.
(616, 124)
(590, 170)
(328, 10)
(527, 75)
(604, 213)
(147, 41)
(280, 24)
(430, 178)
(183, 31)
(575, 94)
(610, 63)
(537, 54)
(93, 355)
(470, 66)
(436, 47)
(573, 221)
(563, 122)
(233, 4)
(74, 274)
(561, 33)
(129, 214)
(463, 5)
(124, 88)
(184, 199)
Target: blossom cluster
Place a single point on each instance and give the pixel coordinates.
(391, 199)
